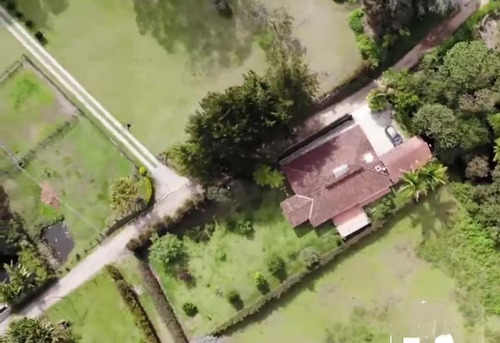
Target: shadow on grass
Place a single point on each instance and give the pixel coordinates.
(210, 39)
(433, 206)
(39, 10)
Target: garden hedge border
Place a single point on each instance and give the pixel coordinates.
(131, 299)
(162, 305)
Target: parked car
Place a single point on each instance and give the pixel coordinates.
(393, 135)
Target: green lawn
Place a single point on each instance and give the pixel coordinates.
(30, 111)
(229, 260)
(97, 313)
(150, 62)
(80, 168)
(382, 278)
(79, 165)
(12, 53)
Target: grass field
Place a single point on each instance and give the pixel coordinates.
(230, 260)
(78, 166)
(150, 62)
(97, 313)
(383, 278)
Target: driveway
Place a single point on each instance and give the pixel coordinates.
(373, 125)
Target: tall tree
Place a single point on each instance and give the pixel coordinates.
(124, 194)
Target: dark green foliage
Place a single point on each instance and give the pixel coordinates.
(166, 249)
(28, 330)
(477, 168)
(201, 233)
(241, 227)
(266, 176)
(369, 50)
(383, 210)
(162, 306)
(132, 301)
(230, 134)
(310, 257)
(356, 21)
(494, 121)
(377, 100)
(234, 298)
(276, 265)
(190, 309)
(261, 283)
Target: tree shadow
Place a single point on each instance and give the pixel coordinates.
(39, 10)
(209, 38)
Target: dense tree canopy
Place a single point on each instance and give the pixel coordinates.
(231, 132)
(27, 330)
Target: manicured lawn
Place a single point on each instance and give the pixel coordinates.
(129, 268)
(97, 313)
(150, 62)
(230, 260)
(383, 277)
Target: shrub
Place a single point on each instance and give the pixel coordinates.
(134, 244)
(233, 296)
(29, 24)
(242, 227)
(356, 21)
(265, 176)
(310, 257)
(201, 233)
(377, 100)
(494, 121)
(275, 265)
(40, 37)
(143, 171)
(261, 282)
(369, 50)
(166, 249)
(11, 6)
(190, 309)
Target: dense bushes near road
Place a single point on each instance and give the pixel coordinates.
(161, 303)
(132, 301)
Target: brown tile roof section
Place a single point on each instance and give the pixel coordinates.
(297, 209)
(311, 175)
(410, 155)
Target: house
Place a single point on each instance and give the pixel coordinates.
(338, 173)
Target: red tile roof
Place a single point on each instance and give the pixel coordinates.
(340, 171)
(405, 157)
(311, 174)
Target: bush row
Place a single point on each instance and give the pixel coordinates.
(295, 279)
(11, 6)
(139, 244)
(131, 299)
(163, 307)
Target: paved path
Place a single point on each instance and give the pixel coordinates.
(435, 37)
(165, 178)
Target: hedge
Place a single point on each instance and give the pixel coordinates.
(163, 307)
(132, 301)
(143, 241)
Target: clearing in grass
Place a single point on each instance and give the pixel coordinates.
(371, 287)
(151, 61)
(97, 313)
(228, 254)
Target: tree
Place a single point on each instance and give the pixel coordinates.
(190, 309)
(414, 185)
(267, 176)
(438, 122)
(230, 134)
(166, 249)
(20, 281)
(28, 330)
(377, 100)
(494, 121)
(471, 66)
(124, 194)
(477, 168)
(275, 265)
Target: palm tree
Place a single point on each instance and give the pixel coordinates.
(496, 158)
(414, 185)
(434, 174)
(124, 194)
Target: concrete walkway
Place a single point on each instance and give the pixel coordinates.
(435, 37)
